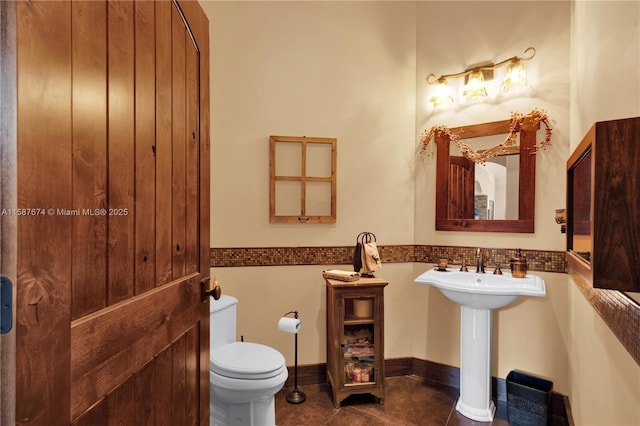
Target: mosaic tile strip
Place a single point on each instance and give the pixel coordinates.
(537, 260)
(618, 311)
(279, 256)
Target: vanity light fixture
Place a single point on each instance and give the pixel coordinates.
(475, 77)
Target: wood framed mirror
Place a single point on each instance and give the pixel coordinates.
(461, 202)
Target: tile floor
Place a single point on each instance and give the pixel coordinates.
(409, 401)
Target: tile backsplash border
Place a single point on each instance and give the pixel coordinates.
(618, 311)
(537, 260)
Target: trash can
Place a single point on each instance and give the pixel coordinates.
(528, 399)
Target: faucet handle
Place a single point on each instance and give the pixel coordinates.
(464, 268)
(497, 271)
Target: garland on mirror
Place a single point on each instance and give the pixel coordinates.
(481, 156)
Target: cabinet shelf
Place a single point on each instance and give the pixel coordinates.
(368, 354)
(352, 320)
(364, 332)
(361, 384)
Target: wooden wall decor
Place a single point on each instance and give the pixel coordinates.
(302, 179)
(448, 217)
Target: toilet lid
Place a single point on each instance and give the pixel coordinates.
(245, 360)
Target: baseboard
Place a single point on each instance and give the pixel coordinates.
(436, 372)
(312, 374)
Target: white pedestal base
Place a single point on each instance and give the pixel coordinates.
(480, 415)
(475, 365)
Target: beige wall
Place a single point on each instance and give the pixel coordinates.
(266, 293)
(528, 335)
(495, 31)
(343, 70)
(328, 69)
(355, 71)
(604, 379)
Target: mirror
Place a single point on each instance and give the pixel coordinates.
(579, 238)
(497, 196)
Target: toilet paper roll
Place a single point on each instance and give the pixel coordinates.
(289, 325)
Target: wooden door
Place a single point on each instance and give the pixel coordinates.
(8, 223)
(113, 160)
(461, 188)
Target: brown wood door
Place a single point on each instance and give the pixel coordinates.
(461, 188)
(113, 160)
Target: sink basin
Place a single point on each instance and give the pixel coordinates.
(482, 291)
(478, 295)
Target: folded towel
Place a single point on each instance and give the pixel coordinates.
(336, 274)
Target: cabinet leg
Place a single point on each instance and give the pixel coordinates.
(335, 398)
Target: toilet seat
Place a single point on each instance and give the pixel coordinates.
(245, 360)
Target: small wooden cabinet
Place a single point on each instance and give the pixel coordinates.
(355, 337)
(603, 195)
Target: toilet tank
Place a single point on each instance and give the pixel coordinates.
(222, 315)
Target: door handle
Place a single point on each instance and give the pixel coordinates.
(6, 307)
(206, 290)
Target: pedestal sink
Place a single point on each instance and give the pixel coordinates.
(478, 295)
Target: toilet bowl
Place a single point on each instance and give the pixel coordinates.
(243, 376)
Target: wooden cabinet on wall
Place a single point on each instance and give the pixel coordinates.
(355, 337)
(603, 198)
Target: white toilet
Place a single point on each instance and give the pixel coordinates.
(243, 377)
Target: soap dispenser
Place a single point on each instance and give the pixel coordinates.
(518, 265)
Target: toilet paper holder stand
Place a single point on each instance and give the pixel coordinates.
(296, 396)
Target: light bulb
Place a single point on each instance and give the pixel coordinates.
(516, 77)
(475, 85)
(442, 95)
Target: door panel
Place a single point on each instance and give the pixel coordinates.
(461, 188)
(192, 213)
(44, 245)
(178, 51)
(112, 344)
(163, 142)
(121, 121)
(113, 142)
(89, 56)
(163, 376)
(145, 133)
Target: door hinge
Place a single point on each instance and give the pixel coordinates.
(6, 305)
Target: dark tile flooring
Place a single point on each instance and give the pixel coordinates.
(409, 401)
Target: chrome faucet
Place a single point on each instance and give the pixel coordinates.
(479, 262)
